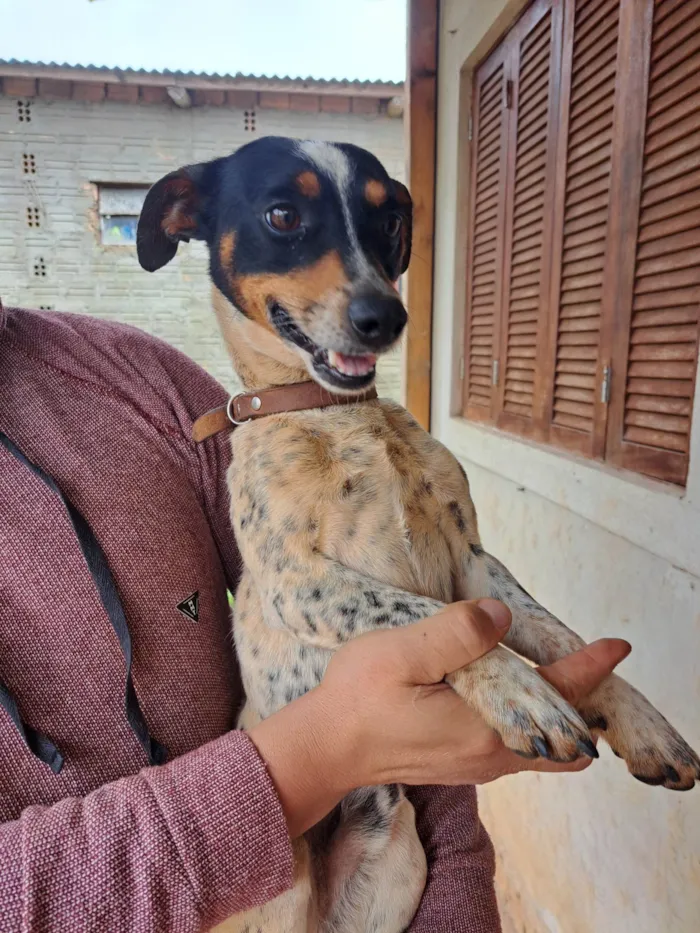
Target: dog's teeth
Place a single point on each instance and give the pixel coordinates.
(352, 365)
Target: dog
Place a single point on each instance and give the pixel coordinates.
(351, 518)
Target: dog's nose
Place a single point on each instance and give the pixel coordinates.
(377, 319)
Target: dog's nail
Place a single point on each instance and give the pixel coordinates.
(541, 746)
(672, 774)
(586, 747)
(654, 782)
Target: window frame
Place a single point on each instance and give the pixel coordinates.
(110, 191)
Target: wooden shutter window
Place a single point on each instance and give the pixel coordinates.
(663, 334)
(583, 267)
(577, 362)
(485, 235)
(529, 183)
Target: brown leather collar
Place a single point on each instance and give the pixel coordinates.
(252, 405)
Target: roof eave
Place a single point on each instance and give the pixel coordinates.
(193, 81)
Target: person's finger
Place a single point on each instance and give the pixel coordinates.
(558, 767)
(444, 643)
(578, 674)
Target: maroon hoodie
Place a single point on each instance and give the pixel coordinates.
(108, 843)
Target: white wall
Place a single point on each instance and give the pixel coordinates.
(76, 144)
(610, 554)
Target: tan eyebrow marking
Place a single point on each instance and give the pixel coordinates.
(375, 192)
(309, 184)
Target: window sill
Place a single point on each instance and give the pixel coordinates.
(655, 516)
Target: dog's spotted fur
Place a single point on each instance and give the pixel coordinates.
(352, 519)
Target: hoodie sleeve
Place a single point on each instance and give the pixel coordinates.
(459, 896)
(179, 847)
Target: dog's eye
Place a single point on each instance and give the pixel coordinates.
(392, 225)
(283, 218)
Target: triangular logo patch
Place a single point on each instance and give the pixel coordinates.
(190, 607)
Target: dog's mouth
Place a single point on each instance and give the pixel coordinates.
(337, 369)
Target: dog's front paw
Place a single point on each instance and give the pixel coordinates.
(637, 732)
(530, 716)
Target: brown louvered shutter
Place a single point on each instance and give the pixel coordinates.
(532, 101)
(583, 272)
(656, 365)
(576, 355)
(485, 234)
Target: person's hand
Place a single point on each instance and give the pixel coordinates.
(412, 728)
(384, 715)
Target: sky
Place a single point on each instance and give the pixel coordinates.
(362, 39)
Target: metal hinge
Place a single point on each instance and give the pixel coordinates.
(605, 386)
(461, 369)
(494, 373)
(509, 94)
(470, 128)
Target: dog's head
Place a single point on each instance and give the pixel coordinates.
(306, 239)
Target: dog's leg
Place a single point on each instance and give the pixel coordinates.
(652, 749)
(325, 604)
(376, 868)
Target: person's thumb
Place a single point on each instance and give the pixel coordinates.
(446, 642)
(578, 674)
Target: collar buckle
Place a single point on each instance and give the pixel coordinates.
(230, 410)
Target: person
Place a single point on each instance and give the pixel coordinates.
(127, 800)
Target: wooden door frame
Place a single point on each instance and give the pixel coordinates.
(421, 150)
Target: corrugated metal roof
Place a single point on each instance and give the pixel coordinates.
(132, 75)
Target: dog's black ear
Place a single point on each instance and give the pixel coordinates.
(172, 211)
(405, 206)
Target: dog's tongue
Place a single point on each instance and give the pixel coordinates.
(352, 365)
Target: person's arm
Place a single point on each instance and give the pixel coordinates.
(176, 848)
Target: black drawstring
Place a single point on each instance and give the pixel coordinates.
(39, 744)
(109, 597)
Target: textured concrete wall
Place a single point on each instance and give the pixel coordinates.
(611, 554)
(75, 144)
